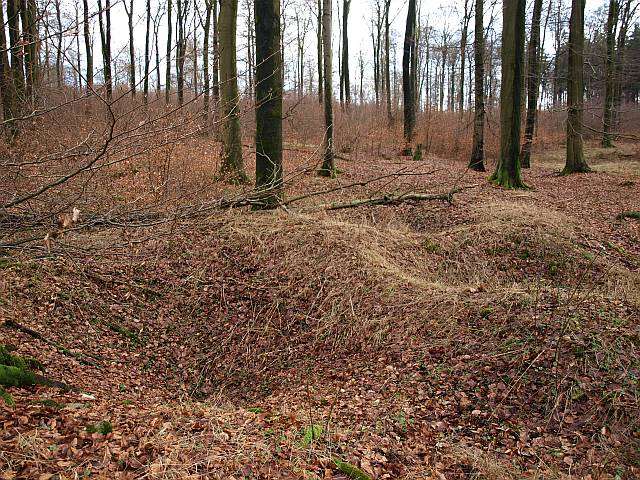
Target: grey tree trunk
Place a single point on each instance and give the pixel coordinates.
(132, 49)
(409, 73)
(533, 84)
(87, 43)
(268, 83)
(463, 53)
(205, 59)
(215, 68)
(609, 86)
(319, 45)
(387, 67)
(507, 173)
(59, 65)
(328, 168)
(167, 79)
(15, 46)
(345, 52)
(105, 39)
(477, 150)
(232, 167)
(6, 81)
(147, 57)
(575, 161)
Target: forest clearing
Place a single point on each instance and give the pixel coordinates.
(239, 276)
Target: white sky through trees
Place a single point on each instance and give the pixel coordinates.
(438, 14)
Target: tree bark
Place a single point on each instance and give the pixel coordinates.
(205, 59)
(463, 51)
(215, 69)
(87, 43)
(477, 151)
(6, 81)
(533, 83)
(345, 52)
(17, 64)
(232, 168)
(575, 161)
(167, 79)
(507, 173)
(268, 83)
(408, 73)
(59, 66)
(147, 56)
(319, 48)
(328, 168)
(387, 67)
(132, 49)
(609, 86)
(105, 39)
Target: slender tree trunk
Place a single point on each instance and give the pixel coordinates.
(6, 80)
(59, 66)
(609, 86)
(195, 57)
(17, 63)
(105, 39)
(268, 102)
(147, 54)
(556, 69)
(408, 73)
(575, 161)
(463, 52)
(507, 173)
(328, 168)
(215, 83)
(181, 48)
(533, 84)
(205, 59)
(78, 73)
(87, 43)
(29, 39)
(167, 78)
(132, 50)
(319, 45)
(387, 66)
(156, 27)
(477, 150)
(232, 168)
(345, 52)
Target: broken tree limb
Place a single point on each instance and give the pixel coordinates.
(65, 351)
(394, 200)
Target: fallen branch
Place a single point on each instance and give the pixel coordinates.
(394, 200)
(65, 351)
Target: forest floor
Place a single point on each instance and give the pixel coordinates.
(494, 337)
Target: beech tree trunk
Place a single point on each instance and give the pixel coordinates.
(328, 168)
(477, 150)
(205, 59)
(387, 67)
(575, 161)
(268, 84)
(147, 56)
(319, 45)
(507, 173)
(609, 85)
(105, 39)
(533, 83)
(15, 46)
(345, 52)
(232, 168)
(409, 73)
(132, 49)
(167, 79)
(87, 43)
(59, 66)
(6, 81)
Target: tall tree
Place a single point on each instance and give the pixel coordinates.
(147, 54)
(59, 65)
(15, 45)
(6, 81)
(215, 69)
(87, 43)
(167, 78)
(575, 161)
(28, 16)
(328, 168)
(105, 40)
(507, 173)
(268, 102)
(181, 46)
(609, 81)
(466, 18)
(205, 58)
(345, 52)
(132, 48)
(477, 150)
(533, 83)
(409, 73)
(232, 168)
(319, 48)
(387, 67)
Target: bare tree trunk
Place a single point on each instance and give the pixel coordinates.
(387, 67)
(345, 52)
(507, 173)
(195, 57)
(181, 48)
(205, 59)
(232, 168)
(132, 49)
(59, 66)
(268, 83)
(87, 43)
(408, 73)
(328, 168)
(533, 84)
(477, 150)
(147, 56)
(575, 161)
(167, 80)
(105, 39)
(6, 81)
(215, 83)
(27, 15)
(17, 63)
(463, 52)
(609, 85)
(319, 45)
(156, 27)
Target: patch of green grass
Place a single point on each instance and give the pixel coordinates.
(431, 246)
(310, 434)
(47, 402)
(4, 395)
(634, 214)
(125, 332)
(103, 428)
(255, 410)
(350, 470)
